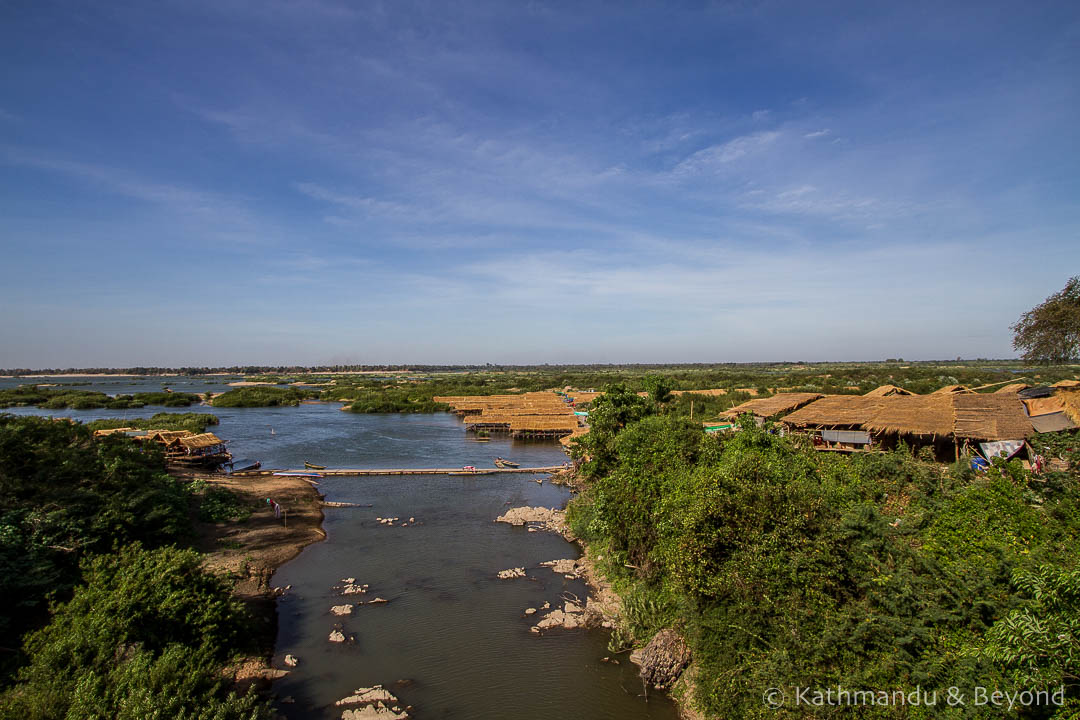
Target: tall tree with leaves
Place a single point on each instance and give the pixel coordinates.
(1050, 332)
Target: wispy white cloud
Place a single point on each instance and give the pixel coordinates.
(817, 134)
(713, 157)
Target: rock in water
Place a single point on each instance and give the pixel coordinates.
(663, 659)
(512, 573)
(291, 660)
(377, 703)
(337, 636)
(342, 609)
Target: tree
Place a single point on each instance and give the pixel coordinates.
(1050, 332)
(659, 389)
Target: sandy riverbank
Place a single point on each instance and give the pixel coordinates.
(250, 552)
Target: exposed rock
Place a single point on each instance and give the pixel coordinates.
(541, 517)
(530, 611)
(337, 637)
(555, 618)
(570, 607)
(369, 695)
(354, 589)
(512, 573)
(562, 567)
(663, 659)
(348, 581)
(291, 660)
(342, 609)
(377, 702)
(377, 601)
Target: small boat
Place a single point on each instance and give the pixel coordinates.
(313, 466)
(502, 463)
(243, 465)
(483, 439)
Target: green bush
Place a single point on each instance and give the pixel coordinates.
(64, 496)
(145, 636)
(787, 567)
(261, 396)
(222, 505)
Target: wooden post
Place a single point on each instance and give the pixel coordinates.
(691, 411)
(285, 511)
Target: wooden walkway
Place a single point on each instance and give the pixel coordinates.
(342, 472)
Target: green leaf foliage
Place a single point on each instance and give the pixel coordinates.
(145, 637)
(63, 496)
(787, 567)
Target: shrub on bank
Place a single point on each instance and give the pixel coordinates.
(145, 636)
(787, 567)
(261, 396)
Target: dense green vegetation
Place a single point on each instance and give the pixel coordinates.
(262, 396)
(58, 398)
(788, 568)
(64, 496)
(135, 632)
(192, 422)
(145, 636)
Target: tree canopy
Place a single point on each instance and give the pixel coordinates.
(1050, 332)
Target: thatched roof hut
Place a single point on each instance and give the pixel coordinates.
(199, 442)
(990, 417)
(1011, 389)
(773, 406)
(887, 391)
(1066, 384)
(113, 431)
(166, 436)
(952, 390)
(913, 415)
(963, 416)
(835, 411)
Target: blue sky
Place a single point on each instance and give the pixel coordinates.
(263, 181)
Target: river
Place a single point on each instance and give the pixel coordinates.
(453, 641)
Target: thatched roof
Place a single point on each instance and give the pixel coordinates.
(167, 436)
(1071, 400)
(887, 390)
(969, 416)
(113, 431)
(835, 411)
(1045, 406)
(772, 406)
(1013, 388)
(196, 442)
(538, 422)
(952, 390)
(1066, 384)
(990, 417)
(913, 415)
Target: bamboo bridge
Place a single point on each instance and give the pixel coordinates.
(360, 472)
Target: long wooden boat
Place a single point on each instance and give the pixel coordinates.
(503, 463)
(313, 466)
